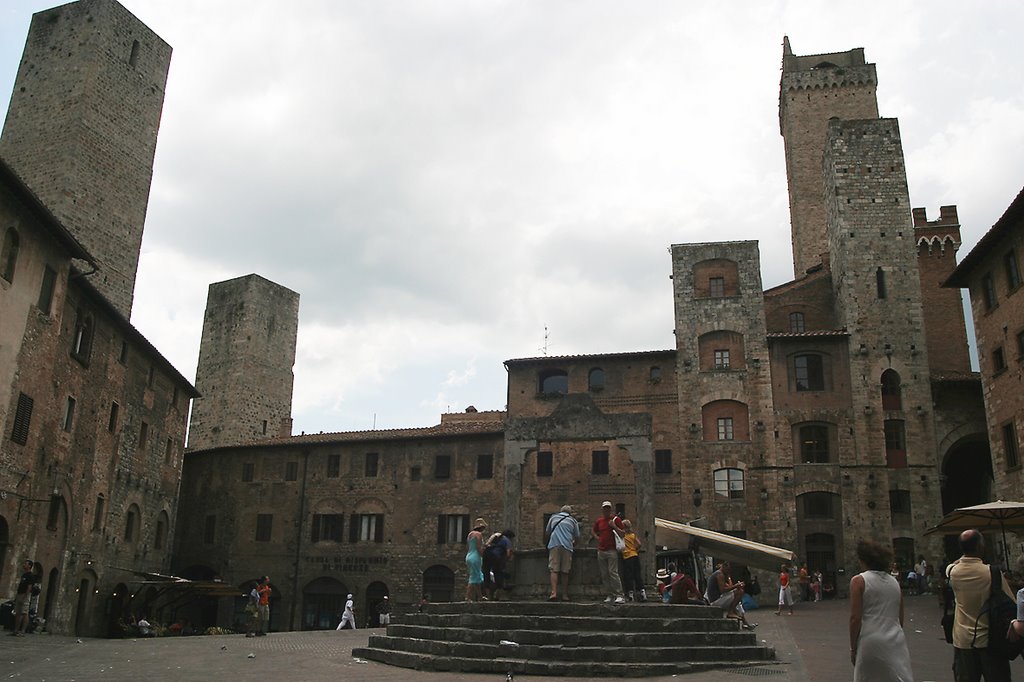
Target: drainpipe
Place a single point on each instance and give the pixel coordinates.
(298, 539)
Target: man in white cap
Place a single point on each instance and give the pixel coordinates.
(605, 529)
(347, 615)
(384, 610)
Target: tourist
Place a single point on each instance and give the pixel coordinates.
(384, 612)
(785, 596)
(562, 533)
(684, 590)
(605, 528)
(804, 578)
(21, 598)
(497, 554)
(633, 581)
(348, 616)
(878, 646)
(475, 561)
(726, 595)
(263, 606)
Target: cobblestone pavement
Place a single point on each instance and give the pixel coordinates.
(811, 646)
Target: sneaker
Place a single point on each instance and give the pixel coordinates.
(643, 595)
(620, 600)
(607, 600)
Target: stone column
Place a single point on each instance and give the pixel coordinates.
(642, 456)
(515, 457)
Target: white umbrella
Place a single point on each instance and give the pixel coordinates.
(999, 514)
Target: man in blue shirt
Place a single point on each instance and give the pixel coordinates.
(563, 532)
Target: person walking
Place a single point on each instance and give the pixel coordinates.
(804, 578)
(21, 598)
(348, 616)
(497, 554)
(604, 530)
(562, 533)
(263, 606)
(785, 596)
(475, 561)
(971, 581)
(631, 564)
(878, 645)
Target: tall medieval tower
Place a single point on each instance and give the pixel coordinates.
(82, 126)
(245, 363)
(814, 89)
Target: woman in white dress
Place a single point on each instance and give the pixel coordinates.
(878, 647)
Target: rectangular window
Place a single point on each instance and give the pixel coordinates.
(1012, 270)
(210, 529)
(151, 377)
(1020, 346)
(880, 288)
(809, 373)
(814, 444)
(291, 471)
(158, 536)
(370, 470)
(729, 483)
(53, 517)
(123, 357)
(1010, 446)
(248, 472)
(264, 526)
(663, 461)
(69, 414)
(895, 444)
(716, 287)
(81, 342)
(998, 360)
(47, 289)
(725, 428)
(599, 462)
(988, 292)
(143, 436)
(899, 507)
(176, 394)
(97, 517)
(115, 409)
(264, 427)
(485, 466)
(333, 466)
(452, 528)
(366, 528)
(169, 451)
(796, 323)
(817, 505)
(442, 466)
(22, 419)
(415, 473)
(327, 527)
(722, 359)
(544, 463)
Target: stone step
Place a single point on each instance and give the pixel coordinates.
(520, 666)
(632, 610)
(575, 637)
(558, 653)
(614, 623)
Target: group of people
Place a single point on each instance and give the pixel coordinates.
(486, 561)
(878, 646)
(258, 608)
(348, 616)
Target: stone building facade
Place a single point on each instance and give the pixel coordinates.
(93, 417)
(992, 273)
(82, 126)
(247, 349)
(836, 406)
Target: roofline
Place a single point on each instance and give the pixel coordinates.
(1013, 214)
(562, 358)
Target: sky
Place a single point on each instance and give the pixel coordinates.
(451, 184)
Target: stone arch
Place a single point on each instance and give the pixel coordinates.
(711, 346)
(439, 583)
(724, 269)
(373, 596)
(323, 600)
(83, 618)
(715, 410)
(119, 613)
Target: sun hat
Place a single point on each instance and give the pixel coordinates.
(662, 574)
(479, 523)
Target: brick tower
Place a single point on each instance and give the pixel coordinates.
(245, 363)
(937, 244)
(814, 89)
(82, 126)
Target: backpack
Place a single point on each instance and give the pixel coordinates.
(1001, 610)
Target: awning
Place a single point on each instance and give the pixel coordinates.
(684, 536)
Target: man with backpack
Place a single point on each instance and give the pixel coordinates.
(562, 534)
(971, 581)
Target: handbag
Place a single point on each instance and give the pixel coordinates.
(620, 542)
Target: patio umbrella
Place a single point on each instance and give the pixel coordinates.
(999, 514)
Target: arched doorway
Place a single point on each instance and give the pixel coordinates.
(821, 556)
(323, 600)
(84, 590)
(51, 594)
(375, 593)
(439, 583)
(966, 480)
(118, 613)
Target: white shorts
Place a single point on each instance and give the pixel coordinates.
(785, 598)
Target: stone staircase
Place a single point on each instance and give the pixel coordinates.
(566, 639)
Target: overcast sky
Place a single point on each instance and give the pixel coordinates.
(440, 181)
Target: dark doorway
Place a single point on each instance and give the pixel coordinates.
(323, 600)
(375, 593)
(439, 583)
(821, 556)
(51, 594)
(966, 481)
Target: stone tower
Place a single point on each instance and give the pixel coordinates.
(245, 363)
(814, 89)
(82, 126)
(937, 244)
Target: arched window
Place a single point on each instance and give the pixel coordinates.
(595, 380)
(553, 382)
(729, 483)
(9, 254)
(131, 524)
(891, 391)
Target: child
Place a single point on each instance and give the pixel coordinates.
(631, 564)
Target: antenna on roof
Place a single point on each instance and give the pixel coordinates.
(544, 348)
(374, 422)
